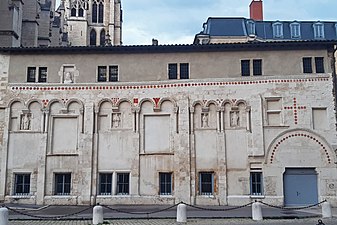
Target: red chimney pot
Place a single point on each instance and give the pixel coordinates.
(256, 10)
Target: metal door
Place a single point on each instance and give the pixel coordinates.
(300, 187)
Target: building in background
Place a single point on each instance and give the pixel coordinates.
(33, 23)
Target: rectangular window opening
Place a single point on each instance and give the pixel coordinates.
(62, 183)
(123, 183)
(172, 71)
(257, 67)
(256, 184)
(31, 74)
(22, 184)
(113, 73)
(307, 65)
(319, 64)
(245, 67)
(42, 74)
(102, 74)
(105, 183)
(165, 183)
(206, 183)
(184, 71)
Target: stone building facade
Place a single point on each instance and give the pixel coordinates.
(204, 124)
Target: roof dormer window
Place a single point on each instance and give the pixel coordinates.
(295, 30)
(318, 30)
(278, 30)
(251, 27)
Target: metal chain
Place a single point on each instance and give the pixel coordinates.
(140, 213)
(34, 210)
(229, 209)
(48, 217)
(297, 208)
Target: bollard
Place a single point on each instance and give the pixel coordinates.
(181, 213)
(97, 215)
(3, 216)
(257, 211)
(326, 210)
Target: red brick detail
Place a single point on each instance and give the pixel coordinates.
(295, 107)
(156, 101)
(135, 101)
(277, 145)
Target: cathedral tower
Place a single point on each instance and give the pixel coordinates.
(93, 22)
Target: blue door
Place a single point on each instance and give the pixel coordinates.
(300, 187)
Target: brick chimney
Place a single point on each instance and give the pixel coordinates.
(256, 10)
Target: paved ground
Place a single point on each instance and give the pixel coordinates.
(307, 221)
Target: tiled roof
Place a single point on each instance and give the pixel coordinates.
(226, 26)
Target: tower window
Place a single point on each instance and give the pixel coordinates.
(94, 12)
(73, 12)
(100, 12)
(102, 38)
(80, 12)
(92, 37)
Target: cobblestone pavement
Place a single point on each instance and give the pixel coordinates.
(307, 221)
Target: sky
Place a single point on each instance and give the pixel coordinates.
(177, 21)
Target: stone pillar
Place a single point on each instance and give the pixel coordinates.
(181, 213)
(3, 216)
(257, 211)
(97, 215)
(326, 210)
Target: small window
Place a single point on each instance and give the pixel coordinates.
(307, 65)
(92, 37)
(273, 111)
(42, 74)
(318, 30)
(113, 73)
(172, 71)
(206, 183)
(123, 183)
(94, 12)
(278, 30)
(73, 12)
(80, 12)
(31, 74)
(319, 64)
(62, 184)
(22, 184)
(257, 67)
(184, 71)
(295, 30)
(245, 67)
(165, 183)
(105, 183)
(256, 184)
(102, 74)
(100, 12)
(251, 27)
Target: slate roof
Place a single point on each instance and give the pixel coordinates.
(238, 27)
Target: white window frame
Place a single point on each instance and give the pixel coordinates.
(251, 27)
(273, 111)
(295, 30)
(278, 30)
(259, 172)
(318, 30)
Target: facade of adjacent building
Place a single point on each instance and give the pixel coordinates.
(205, 124)
(36, 23)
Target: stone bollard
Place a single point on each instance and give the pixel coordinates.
(97, 215)
(257, 211)
(3, 216)
(181, 213)
(326, 210)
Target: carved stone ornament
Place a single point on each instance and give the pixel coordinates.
(235, 119)
(116, 120)
(204, 120)
(25, 122)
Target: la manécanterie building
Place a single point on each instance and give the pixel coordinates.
(224, 123)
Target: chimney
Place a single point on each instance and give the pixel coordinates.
(256, 10)
(154, 41)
